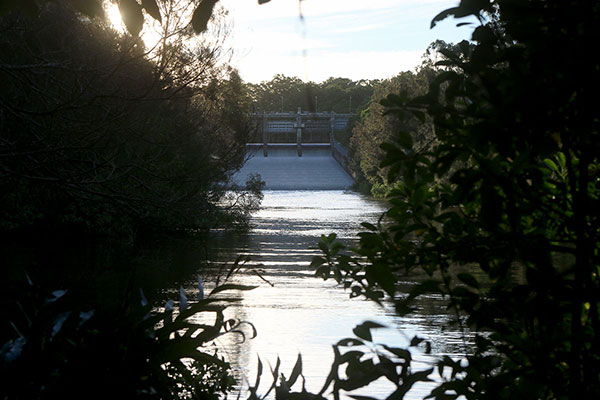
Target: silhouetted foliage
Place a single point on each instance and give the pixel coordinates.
(132, 11)
(96, 135)
(61, 348)
(105, 142)
(501, 215)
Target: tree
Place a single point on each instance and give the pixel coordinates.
(96, 135)
(376, 127)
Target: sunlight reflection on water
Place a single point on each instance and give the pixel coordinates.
(304, 314)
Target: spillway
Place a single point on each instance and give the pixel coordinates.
(283, 169)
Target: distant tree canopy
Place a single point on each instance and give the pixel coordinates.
(283, 93)
(100, 132)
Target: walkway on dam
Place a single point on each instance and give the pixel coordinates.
(283, 169)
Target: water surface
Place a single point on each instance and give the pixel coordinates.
(304, 314)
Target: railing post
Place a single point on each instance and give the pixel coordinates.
(265, 134)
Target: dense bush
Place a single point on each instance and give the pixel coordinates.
(63, 348)
(97, 135)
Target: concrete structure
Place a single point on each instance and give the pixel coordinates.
(300, 127)
(298, 151)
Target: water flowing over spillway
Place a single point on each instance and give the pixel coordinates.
(283, 169)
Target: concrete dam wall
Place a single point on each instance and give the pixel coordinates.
(283, 169)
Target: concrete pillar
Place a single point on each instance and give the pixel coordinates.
(265, 134)
(332, 130)
(299, 125)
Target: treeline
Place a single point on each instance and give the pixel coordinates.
(283, 93)
(101, 133)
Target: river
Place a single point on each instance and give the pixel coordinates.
(303, 314)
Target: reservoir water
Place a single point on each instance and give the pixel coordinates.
(299, 313)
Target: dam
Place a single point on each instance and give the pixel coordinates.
(298, 151)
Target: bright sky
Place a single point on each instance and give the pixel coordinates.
(356, 39)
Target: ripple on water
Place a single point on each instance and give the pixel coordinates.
(304, 314)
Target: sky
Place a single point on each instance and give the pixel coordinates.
(354, 39)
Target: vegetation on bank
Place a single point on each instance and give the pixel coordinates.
(374, 126)
(101, 133)
(106, 142)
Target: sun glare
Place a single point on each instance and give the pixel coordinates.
(149, 34)
(114, 16)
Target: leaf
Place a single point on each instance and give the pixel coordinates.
(317, 261)
(363, 330)
(12, 350)
(202, 15)
(383, 275)
(468, 280)
(428, 286)
(324, 247)
(419, 195)
(296, 371)
(263, 1)
(550, 164)
(399, 352)
(85, 316)
(369, 226)
(57, 294)
(131, 13)
(58, 323)
(562, 160)
(143, 300)
(389, 147)
(183, 301)
(152, 8)
(405, 140)
(442, 16)
(231, 286)
(258, 372)
(420, 115)
(349, 342)
(415, 341)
